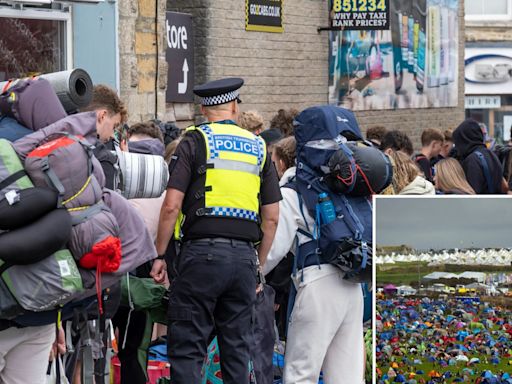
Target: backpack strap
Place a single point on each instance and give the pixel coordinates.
(12, 179)
(52, 179)
(85, 214)
(486, 171)
(358, 229)
(350, 182)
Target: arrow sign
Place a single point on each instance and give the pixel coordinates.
(179, 55)
(182, 87)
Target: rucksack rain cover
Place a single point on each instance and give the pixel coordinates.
(315, 131)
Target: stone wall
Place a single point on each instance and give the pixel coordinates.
(487, 31)
(143, 71)
(281, 70)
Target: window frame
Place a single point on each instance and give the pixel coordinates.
(489, 17)
(47, 14)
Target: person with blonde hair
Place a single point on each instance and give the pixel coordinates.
(450, 179)
(251, 121)
(407, 177)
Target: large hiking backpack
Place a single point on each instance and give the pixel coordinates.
(68, 165)
(344, 239)
(31, 245)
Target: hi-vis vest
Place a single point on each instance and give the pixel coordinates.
(234, 162)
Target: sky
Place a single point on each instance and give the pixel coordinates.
(444, 223)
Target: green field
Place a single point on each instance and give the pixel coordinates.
(410, 273)
(477, 368)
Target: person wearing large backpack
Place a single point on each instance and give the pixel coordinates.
(145, 138)
(481, 166)
(325, 220)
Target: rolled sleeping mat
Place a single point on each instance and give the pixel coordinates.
(73, 88)
(31, 204)
(34, 242)
(142, 176)
(373, 172)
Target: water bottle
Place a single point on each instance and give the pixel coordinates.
(327, 211)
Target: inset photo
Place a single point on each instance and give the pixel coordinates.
(443, 290)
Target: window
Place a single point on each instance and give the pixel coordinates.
(33, 41)
(488, 10)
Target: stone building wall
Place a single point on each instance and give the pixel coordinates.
(281, 70)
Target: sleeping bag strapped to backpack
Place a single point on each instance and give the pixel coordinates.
(27, 213)
(68, 165)
(32, 102)
(343, 223)
(358, 169)
(142, 176)
(32, 236)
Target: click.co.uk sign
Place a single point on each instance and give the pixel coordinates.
(180, 57)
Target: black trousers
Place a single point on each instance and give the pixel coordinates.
(214, 288)
(131, 370)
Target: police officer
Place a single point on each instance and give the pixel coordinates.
(226, 186)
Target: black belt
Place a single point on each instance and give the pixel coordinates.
(219, 240)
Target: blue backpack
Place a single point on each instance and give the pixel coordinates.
(342, 234)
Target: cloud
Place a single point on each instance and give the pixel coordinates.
(444, 222)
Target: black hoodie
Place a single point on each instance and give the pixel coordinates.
(469, 139)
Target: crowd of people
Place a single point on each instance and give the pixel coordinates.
(254, 226)
(442, 341)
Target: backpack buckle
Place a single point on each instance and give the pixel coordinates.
(45, 165)
(200, 212)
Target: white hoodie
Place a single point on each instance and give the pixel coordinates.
(419, 186)
(290, 220)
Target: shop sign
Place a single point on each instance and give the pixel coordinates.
(264, 15)
(482, 102)
(180, 57)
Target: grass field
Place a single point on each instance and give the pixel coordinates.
(478, 368)
(411, 273)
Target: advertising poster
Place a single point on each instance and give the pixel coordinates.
(413, 64)
(360, 14)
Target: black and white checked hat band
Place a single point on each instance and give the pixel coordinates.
(220, 99)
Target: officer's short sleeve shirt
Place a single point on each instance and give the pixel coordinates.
(184, 163)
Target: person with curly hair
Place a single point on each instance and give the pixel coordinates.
(281, 126)
(283, 121)
(252, 121)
